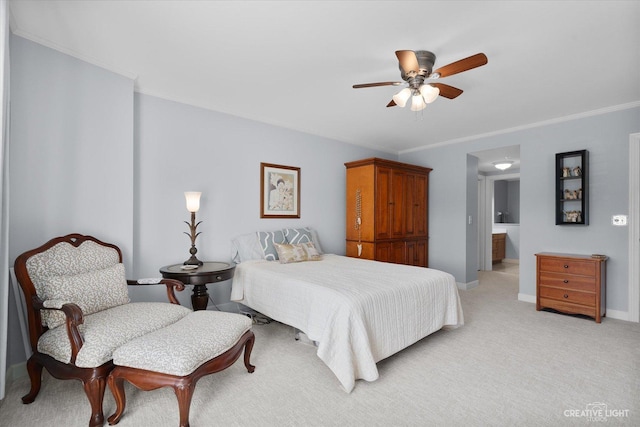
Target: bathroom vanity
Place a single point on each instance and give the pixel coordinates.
(499, 243)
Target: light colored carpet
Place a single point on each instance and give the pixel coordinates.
(508, 366)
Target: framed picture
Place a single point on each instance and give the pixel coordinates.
(279, 191)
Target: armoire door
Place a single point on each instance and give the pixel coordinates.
(384, 203)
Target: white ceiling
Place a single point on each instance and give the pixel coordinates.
(292, 64)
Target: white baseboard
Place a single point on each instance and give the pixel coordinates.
(467, 286)
(527, 298)
(617, 314)
(511, 260)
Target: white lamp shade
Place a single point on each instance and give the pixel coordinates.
(193, 200)
(401, 97)
(417, 103)
(429, 93)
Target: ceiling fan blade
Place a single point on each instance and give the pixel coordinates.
(408, 61)
(358, 86)
(392, 103)
(447, 91)
(474, 61)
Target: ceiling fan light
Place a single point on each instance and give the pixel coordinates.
(429, 93)
(401, 97)
(417, 103)
(503, 164)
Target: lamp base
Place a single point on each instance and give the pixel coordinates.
(192, 261)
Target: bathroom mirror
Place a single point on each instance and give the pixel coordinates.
(506, 201)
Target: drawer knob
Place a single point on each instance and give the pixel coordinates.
(219, 278)
(565, 281)
(566, 266)
(566, 296)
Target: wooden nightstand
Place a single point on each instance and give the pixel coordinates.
(208, 272)
(574, 284)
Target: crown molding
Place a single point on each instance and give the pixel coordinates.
(48, 43)
(529, 126)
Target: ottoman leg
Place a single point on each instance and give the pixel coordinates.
(116, 385)
(184, 393)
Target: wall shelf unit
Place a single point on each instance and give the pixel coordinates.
(572, 188)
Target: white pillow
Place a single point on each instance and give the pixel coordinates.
(245, 248)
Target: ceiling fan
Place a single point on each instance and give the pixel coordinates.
(415, 68)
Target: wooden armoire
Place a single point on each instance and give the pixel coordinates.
(387, 211)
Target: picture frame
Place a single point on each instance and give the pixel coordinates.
(279, 191)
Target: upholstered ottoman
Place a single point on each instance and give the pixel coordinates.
(201, 343)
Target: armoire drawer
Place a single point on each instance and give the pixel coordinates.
(568, 295)
(568, 266)
(566, 281)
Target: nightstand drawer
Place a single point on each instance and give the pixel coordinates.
(567, 295)
(568, 266)
(566, 281)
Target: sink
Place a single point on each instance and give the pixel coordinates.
(499, 231)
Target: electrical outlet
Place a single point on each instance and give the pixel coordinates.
(619, 220)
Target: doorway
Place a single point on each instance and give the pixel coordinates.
(497, 215)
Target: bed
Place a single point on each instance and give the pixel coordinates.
(357, 311)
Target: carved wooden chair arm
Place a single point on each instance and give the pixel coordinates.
(171, 284)
(74, 318)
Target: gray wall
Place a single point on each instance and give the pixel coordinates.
(90, 156)
(181, 148)
(512, 246)
(606, 136)
(71, 157)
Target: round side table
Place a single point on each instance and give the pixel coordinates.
(208, 272)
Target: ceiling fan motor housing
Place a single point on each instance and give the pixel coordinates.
(426, 60)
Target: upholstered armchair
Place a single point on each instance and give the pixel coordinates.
(79, 312)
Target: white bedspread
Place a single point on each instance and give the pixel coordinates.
(359, 311)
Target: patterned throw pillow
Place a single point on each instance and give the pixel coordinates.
(312, 252)
(93, 291)
(267, 240)
(288, 253)
(297, 235)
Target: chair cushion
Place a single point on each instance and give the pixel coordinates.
(93, 291)
(180, 348)
(65, 260)
(106, 330)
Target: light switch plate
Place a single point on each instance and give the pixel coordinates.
(619, 220)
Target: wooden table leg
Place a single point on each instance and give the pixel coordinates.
(200, 297)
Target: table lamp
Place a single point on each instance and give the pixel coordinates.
(193, 204)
